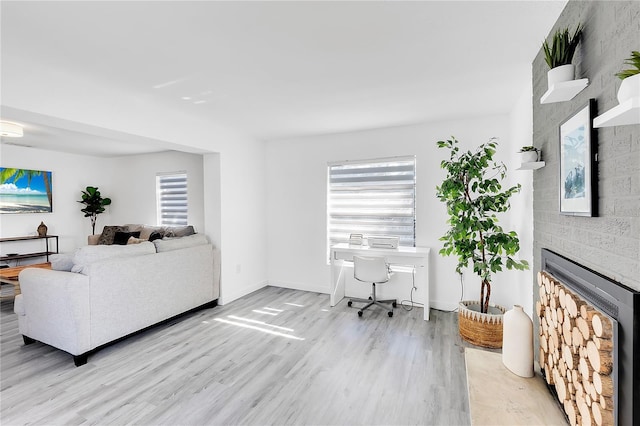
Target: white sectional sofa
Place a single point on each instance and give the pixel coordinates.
(116, 291)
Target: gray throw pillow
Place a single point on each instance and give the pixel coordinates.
(179, 231)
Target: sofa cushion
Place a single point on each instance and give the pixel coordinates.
(108, 234)
(87, 255)
(121, 237)
(61, 262)
(169, 244)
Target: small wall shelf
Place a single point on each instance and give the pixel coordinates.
(627, 112)
(564, 91)
(534, 165)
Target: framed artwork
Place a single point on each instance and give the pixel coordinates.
(25, 191)
(578, 167)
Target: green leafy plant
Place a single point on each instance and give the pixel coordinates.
(473, 195)
(528, 149)
(94, 204)
(562, 47)
(634, 61)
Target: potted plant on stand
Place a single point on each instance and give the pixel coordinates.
(94, 205)
(630, 86)
(559, 55)
(474, 196)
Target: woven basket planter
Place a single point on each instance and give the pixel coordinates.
(480, 329)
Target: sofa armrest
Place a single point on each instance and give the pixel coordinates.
(55, 309)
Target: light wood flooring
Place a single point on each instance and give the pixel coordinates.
(274, 357)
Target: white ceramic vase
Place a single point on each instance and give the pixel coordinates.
(629, 88)
(528, 156)
(517, 342)
(560, 74)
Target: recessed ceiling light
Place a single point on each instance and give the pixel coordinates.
(10, 130)
(186, 98)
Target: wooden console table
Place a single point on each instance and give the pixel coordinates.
(10, 276)
(48, 250)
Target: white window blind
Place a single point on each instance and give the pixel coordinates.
(171, 195)
(375, 197)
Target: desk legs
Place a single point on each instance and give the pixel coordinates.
(422, 282)
(338, 284)
(337, 281)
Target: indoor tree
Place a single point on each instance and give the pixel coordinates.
(94, 204)
(473, 194)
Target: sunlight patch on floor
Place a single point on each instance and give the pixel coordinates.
(261, 323)
(257, 311)
(255, 327)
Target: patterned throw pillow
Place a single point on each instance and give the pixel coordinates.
(108, 233)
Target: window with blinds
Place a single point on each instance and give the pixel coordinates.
(375, 197)
(171, 195)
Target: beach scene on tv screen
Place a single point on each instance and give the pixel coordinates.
(25, 191)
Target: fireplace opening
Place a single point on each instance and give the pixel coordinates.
(589, 341)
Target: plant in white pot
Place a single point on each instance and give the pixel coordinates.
(528, 154)
(559, 55)
(630, 86)
(474, 196)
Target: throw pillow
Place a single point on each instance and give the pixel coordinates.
(146, 231)
(134, 240)
(108, 233)
(122, 238)
(179, 231)
(157, 235)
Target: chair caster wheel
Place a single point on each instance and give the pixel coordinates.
(390, 314)
(349, 303)
(359, 313)
(395, 305)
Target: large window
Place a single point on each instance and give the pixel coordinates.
(375, 197)
(171, 195)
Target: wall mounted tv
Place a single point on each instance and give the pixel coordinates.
(25, 191)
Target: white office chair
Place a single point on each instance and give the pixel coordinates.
(374, 270)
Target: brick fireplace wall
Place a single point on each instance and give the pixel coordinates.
(609, 243)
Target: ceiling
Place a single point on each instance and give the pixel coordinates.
(274, 70)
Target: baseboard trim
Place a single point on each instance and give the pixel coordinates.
(228, 297)
(300, 286)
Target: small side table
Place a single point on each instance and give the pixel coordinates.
(10, 276)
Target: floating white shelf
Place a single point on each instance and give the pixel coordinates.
(564, 91)
(534, 165)
(627, 112)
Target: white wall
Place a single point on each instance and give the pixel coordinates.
(296, 201)
(70, 174)
(244, 226)
(135, 179)
(521, 215)
(236, 175)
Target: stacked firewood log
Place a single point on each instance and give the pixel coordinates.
(576, 353)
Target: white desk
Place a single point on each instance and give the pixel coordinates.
(417, 257)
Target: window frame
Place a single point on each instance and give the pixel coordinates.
(160, 210)
(372, 161)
